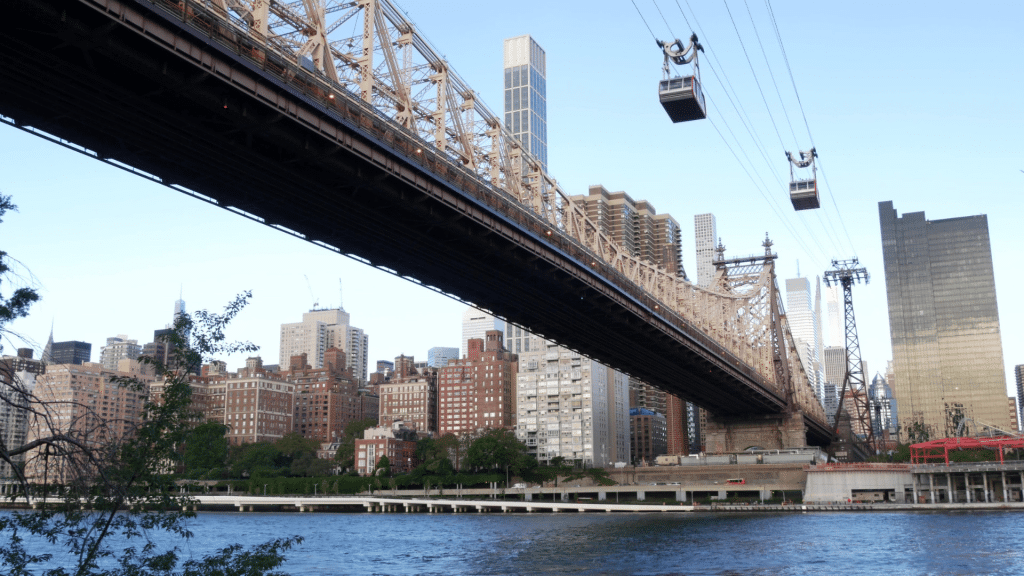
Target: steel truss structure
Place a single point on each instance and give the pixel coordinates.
(753, 319)
(363, 60)
(854, 392)
(369, 50)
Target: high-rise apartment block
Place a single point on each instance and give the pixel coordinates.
(17, 382)
(647, 434)
(635, 226)
(438, 356)
(119, 348)
(705, 235)
(526, 114)
(259, 406)
(571, 406)
(321, 329)
(943, 321)
(326, 399)
(477, 392)
(1014, 416)
(82, 402)
(410, 398)
(23, 361)
(476, 324)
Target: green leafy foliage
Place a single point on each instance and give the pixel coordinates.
(18, 303)
(499, 449)
(206, 450)
(109, 487)
(347, 447)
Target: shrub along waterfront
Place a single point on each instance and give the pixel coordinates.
(291, 466)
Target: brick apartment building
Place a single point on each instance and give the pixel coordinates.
(410, 397)
(326, 399)
(477, 392)
(82, 402)
(396, 441)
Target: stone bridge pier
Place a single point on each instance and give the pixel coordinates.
(769, 432)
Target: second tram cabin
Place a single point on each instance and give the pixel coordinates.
(804, 194)
(682, 98)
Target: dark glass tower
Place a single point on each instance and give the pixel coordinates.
(943, 321)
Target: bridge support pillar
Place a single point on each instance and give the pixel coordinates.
(602, 495)
(680, 495)
(770, 432)
(529, 497)
(641, 496)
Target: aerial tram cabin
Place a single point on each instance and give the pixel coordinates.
(681, 96)
(804, 193)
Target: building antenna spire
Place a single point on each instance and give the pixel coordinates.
(341, 295)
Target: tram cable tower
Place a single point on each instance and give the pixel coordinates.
(854, 394)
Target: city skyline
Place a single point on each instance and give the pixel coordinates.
(82, 201)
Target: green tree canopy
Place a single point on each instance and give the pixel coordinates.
(115, 487)
(497, 449)
(347, 447)
(206, 449)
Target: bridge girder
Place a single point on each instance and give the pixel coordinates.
(248, 130)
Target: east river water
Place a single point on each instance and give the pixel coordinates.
(622, 543)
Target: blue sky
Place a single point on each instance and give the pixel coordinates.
(914, 102)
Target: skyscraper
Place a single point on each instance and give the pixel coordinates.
(704, 235)
(884, 412)
(836, 321)
(834, 365)
(806, 329)
(70, 352)
(1018, 372)
(476, 324)
(526, 114)
(321, 329)
(943, 321)
(438, 356)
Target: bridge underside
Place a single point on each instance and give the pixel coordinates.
(187, 110)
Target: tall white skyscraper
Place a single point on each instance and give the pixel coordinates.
(704, 235)
(571, 406)
(320, 330)
(836, 321)
(526, 114)
(806, 329)
(475, 324)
